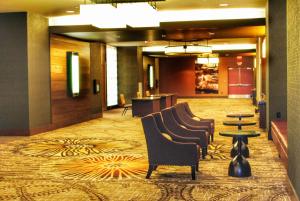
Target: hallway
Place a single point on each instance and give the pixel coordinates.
(106, 159)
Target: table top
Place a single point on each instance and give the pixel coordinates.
(240, 133)
(239, 115)
(239, 123)
(161, 95)
(147, 98)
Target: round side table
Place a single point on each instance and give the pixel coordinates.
(239, 124)
(240, 115)
(239, 166)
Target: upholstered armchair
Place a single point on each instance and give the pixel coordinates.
(184, 119)
(200, 140)
(191, 114)
(162, 151)
(172, 125)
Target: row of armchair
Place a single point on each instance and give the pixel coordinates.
(175, 136)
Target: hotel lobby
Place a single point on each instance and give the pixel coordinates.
(149, 100)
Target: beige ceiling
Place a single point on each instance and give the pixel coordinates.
(59, 7)
(196, 4)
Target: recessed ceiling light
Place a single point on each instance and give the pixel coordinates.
(70, 11)
(223, 4)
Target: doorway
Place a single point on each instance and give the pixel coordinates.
(240, 82)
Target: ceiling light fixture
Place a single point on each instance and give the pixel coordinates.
(138, 14)
(210, 60)
(180, 49)
(223, 4)
(244, 46)
(68, 20)
(102, 15)
(187, 49)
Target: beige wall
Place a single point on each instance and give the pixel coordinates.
(128, 71)
(38, 71)
(24, 77)
(293, 83)
(13, 77)
(277, 61)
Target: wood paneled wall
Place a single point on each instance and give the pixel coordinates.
(67, 110)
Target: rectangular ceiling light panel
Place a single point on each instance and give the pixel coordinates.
(102, 15)
(244, 46)
(138, 14)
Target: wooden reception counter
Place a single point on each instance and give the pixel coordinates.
(166, 100)
(154, 103)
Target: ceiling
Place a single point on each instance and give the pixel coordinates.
(59, 7)
(246, 30)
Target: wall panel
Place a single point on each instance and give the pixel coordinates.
(177, 75)
(67, 110)
(293, 91)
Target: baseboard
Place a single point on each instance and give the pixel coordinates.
(204, 96)
(294, 191)
(45, 128)
(14, 132)
(57, 125)
(40, 129)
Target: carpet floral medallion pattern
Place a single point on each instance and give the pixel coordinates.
(105, 167)
(217, 152)
(106, 159)
(68, 147)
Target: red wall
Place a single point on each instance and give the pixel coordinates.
(177, 75)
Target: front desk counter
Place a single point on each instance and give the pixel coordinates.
(154, 103)
(166, 100)
(145, 105)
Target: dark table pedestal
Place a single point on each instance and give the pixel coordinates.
(244, 150)
(239, 166)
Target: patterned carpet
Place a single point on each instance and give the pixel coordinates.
(106, 159)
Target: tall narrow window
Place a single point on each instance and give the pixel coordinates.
(111, 76)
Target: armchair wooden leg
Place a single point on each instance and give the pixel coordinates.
(197, 167)
(193, 168)
(212, 137)
(125, 110)
(150, 169)
(155, 167)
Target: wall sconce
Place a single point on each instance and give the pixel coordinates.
(96, 86)
(150, 73)
(73, 74)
